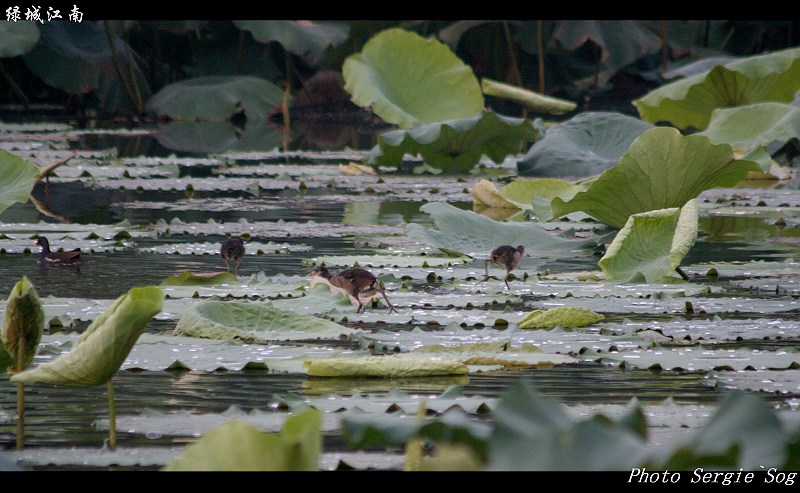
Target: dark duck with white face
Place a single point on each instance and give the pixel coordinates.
(50, 257)
(354, 281)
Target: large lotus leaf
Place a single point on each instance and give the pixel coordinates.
(455, 145)
(584, 145)
(468, 233)
(536, 195)
(662, 170)
(239, 446)
(408, 80)
(689, 102)
(216, 98)
(529, 99)
(754, 125)
(253, 322)
(308, 39)
(651, 244)
(17, 38)
(23, 324)
(17, 177)
(383, 366)
(77, 58)
(567, 317)
(102, 348)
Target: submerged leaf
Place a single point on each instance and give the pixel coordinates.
(102, 348)
(408, 80)
(567, 317)
(23, 324)
(652, 244)
(662, 170)
(383, 366)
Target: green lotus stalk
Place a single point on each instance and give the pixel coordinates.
(23, 325)
(102, 348)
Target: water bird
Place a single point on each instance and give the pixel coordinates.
(60, 257)
(354, 281)
(504, 256)
(232, 250)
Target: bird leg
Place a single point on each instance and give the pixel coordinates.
(485, 273)
(391, 307)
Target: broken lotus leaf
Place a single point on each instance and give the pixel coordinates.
(485, 193)
(652, 244)
(408, 80)
(567, 317)
(102, 348)
(239, 446)
(253, 322)
(662, 169)
(532, 100)
(585, 145)
(383, 366)
(690, 102)
(468, 233)
(17, 177)
(457, 145)
(200, 279)
(23, 325)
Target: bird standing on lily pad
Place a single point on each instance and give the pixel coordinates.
(504, 256)
(355, 282)
(232, 251)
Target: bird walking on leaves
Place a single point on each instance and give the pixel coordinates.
(354, 281)
(232, 251)
(504, 256)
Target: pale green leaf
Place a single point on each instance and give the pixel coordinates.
(532, 100)
(23, 324)
(567, 317)
(754, 125)
(17, 177)
(383, 366)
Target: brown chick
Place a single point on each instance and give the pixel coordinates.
(354, 281)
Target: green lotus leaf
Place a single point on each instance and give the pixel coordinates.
(17, 38)
(383, 366)
(584, 145)
(408, 80)
(77, 58)
(454, 145)
(253, 322)
(567, 317)
(536, 195)
(200, 279)
(17, 177)
(23, 323)
(102, 348)
(690, 102)
(662, 170)
(652, 244)
(530, 99)
(239, 446)
(217, 98)
(468, 233)
(308, 39)
(754, 125)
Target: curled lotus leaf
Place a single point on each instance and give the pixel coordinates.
(23, 324)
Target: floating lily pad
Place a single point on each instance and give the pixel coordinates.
(565, 317)
(200, 279)
(409, 81)
(383, 366)
(454, 145)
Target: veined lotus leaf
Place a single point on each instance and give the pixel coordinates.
(409, 81)
(529, 99)
(217, 98)
(239, 446)
(485, 193)
(652, 244)
(383, 366)
(696, 67)
(754, 125)
(536, 195)
(77, 58)
(254, 322)
(454, 145)
(468, 233)
(584, 145)
(23, 324)
(567, 317)
(308, 39)
(17, 38)
(662, 170)
(17, 177)
(200, 279)
(689, 102)
(102, 348)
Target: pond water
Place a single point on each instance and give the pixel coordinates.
(62, 417)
